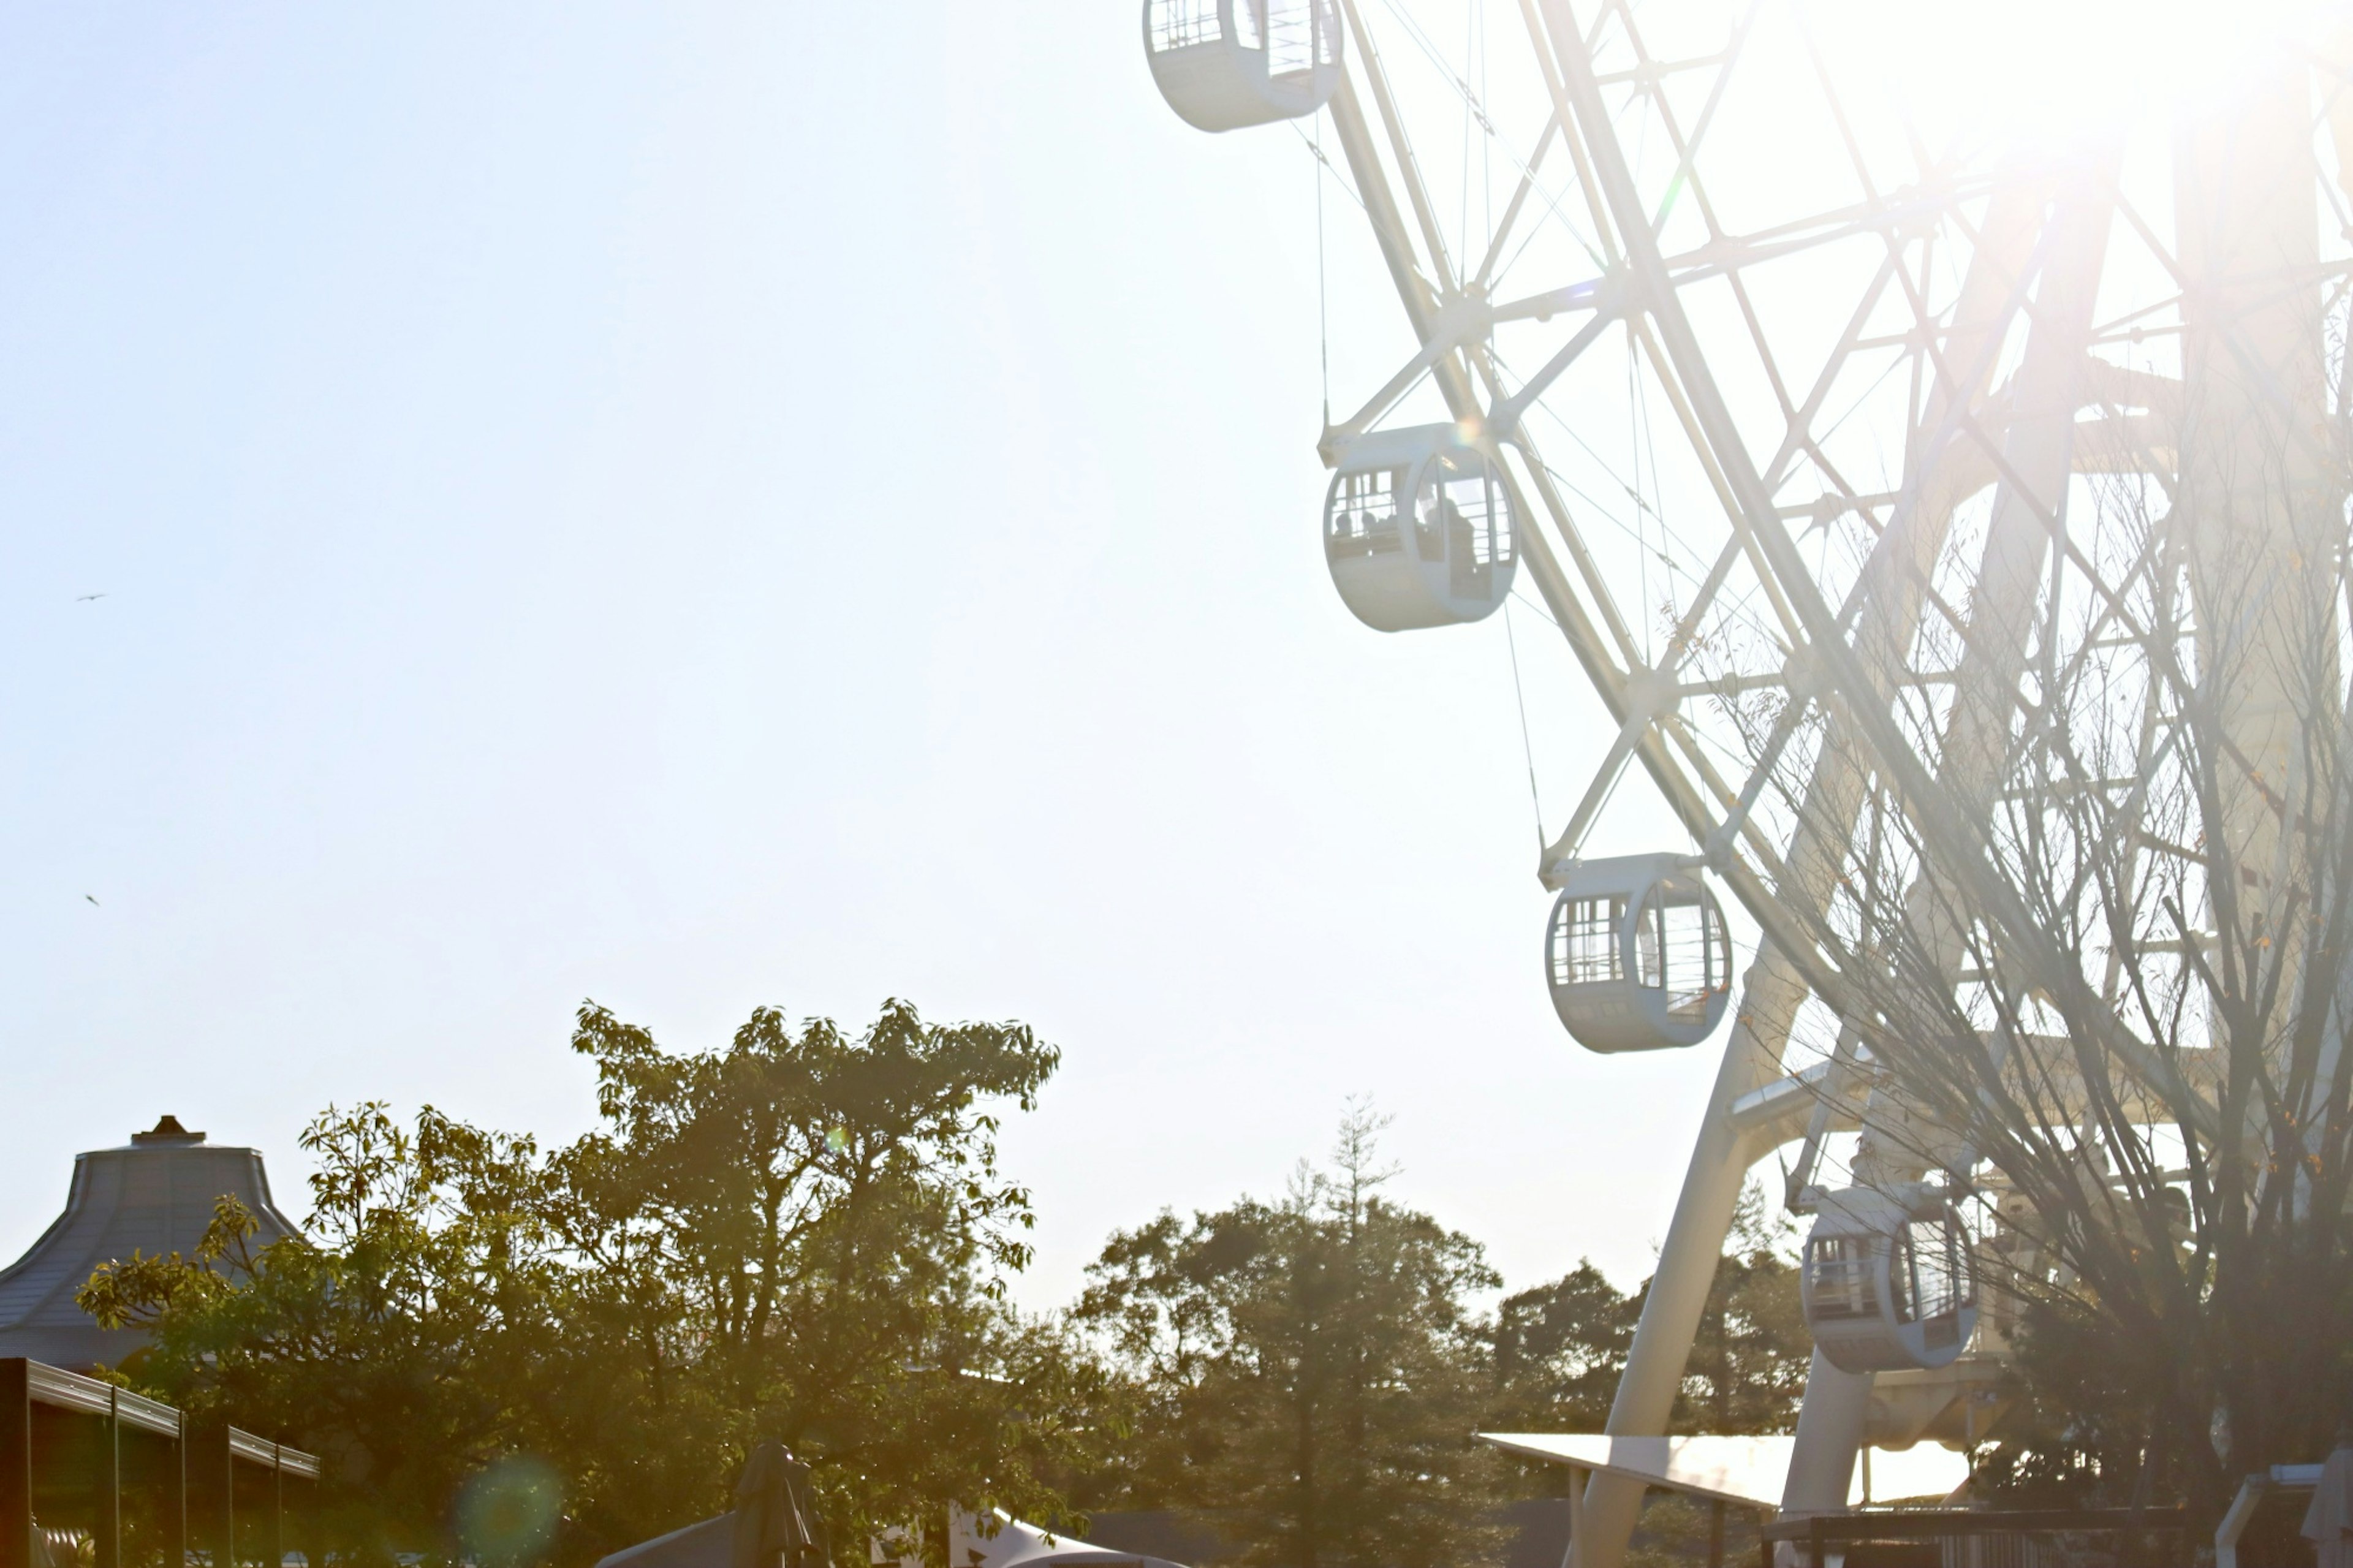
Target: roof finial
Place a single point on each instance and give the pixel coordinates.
(167, 1130)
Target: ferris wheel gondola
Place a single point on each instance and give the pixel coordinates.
(1223, 65)
(1417, 529)
(1636, 955)
(1889, 1280)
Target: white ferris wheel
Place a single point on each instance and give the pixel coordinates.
(1891, 476)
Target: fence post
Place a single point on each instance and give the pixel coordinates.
(15, 1465)
(216, 1469)
(175, 1497)
(107, 1526)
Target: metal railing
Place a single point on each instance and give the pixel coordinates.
(1301, 33)
(1823, 1536)
(99, 1449)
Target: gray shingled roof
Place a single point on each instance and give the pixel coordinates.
(156, 1195)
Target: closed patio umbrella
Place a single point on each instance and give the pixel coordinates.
(775, 1517)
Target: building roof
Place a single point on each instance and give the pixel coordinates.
(1170, 1534)
(154, 1196)
(1745, 1470)
(709, 1543)
(706, 1543)
(1017, 1543)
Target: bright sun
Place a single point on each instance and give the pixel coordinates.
(2038, 72)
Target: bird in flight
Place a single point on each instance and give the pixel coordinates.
(86, 598)
(93, 903)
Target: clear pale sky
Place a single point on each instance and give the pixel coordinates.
(696, 506)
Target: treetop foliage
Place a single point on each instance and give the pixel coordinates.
(1311, 1366)
(803, 1235)
(523, 1355)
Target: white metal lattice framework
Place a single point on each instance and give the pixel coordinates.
(1839, 448)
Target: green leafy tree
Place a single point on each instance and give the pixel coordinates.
(808, 1237)
(1560, 1348)
(397, 1334)
(803, 1236)
(1311, 1368)
(1748, 1362)
(1559, 1351)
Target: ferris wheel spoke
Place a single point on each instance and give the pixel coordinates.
(1564, 523)
(1657, 745)
(1725, 259)
(1448, 331)
(1798, 436)
(1680, 367)
(1486, 276)
(1415, 289)
(1408, 169)
(1659, 70)
(1650, 76)
(1503, 416)
(1636, 691)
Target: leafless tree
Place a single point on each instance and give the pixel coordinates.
(2098, 977)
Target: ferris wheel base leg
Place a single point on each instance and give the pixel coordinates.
(1831, 1426)
(1719, 1167)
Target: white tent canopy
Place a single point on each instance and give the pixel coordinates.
(1748, 1471)
(1017, 1543)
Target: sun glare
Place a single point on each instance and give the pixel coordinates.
(2037, 72)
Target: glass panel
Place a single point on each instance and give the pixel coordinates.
(1465, 518)
(1364, 518)
(1838, 1278)
(1180, 24)
(1680, 950)
(1585, 944)
(1934, 1246)
(1430, 520)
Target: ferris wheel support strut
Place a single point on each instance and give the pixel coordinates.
(1779, 981)
(1721, 1160)
(1781, 978)
(2039, 443)
(1691, 794)
(1946, 833)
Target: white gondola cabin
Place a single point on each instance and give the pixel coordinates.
(1225, 64)
(1418, 531)
(1638, 955)
(1888, 1281)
